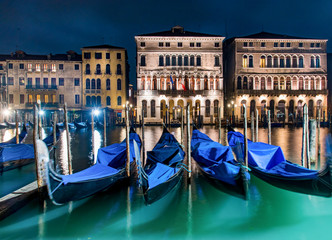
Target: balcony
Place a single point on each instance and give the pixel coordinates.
(44, 105)
(98, 73)
(41, 87)
(280, 92)
(92, 91)
(181, 93)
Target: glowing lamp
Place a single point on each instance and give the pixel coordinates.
(96, 112)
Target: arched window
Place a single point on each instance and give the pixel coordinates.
(180, 60)
(263, 62)
(317, 84)
(282, 62)
(269, 83)
(153, 108)
(185, 61)
(207, 108)
(98, 71)
(311, 108)
(98, 100)
(93, 101)
(206, 84)
(275, 83)
(88, 100)
(251, 61)
(108, 69)
(275, 61)
(252, 106)
(192, 60)
(262, 83)
(312, 83)
(245, 61)
(239, 83)
(98, 83)
(93, 83)
(118, 69)
(294, 62)
(301, 62)
(288, 83)
(173, 60)
(269, 61)
(143, 61)
(161, 60)
(87, 83)
(108, 101)
(168, 61)
(294, 83)
(198, 61)
(119, 101)
(118, 84)
(312, 62)
(288, 62)
(323, 84)
(145, 108)
(108, 84)
(317, 62)
(245, 83)
(215, 106)
(282, 83)
(87, 68)
(301, 83)
(251, 83)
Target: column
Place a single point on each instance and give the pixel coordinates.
(214, 83)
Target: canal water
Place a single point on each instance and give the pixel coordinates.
(195, 211)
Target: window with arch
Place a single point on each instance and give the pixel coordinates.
(192, 60)
(312, 62)
(251, 61)
(239, 81)
(153, 108)
(98, 101)
(215, 106)
(312, 83)
(282, 83)
(87, 69)
(288, 83)
(275, 83)
(108, 84)
(98, 70)
(87, 100)
(118, 69)
(275, 61)
(185, 61)
(198, 61)
(168, 60)
(263, 62)
(282, 62)
(245, 83)
(143, 63)
(269, 83)
(251, 83)
(318, 84)
(108, 101)
(294, 83)
(118, 84)
(262, 83)
(161, 60)
(245, 61)
(93, 101)
(98, 83)
(294, 65)
(317, 62)
(206, 84)
(119, 100)
(301, 62)
(207, 108)
(180, 60)
(108, 69)
(93, 83)
(87, 83)
(288, 62)
(301, 83)
(256, 83)
(323, 84)
(216, 61)
(269, 61)
(145, 108)
(306, 84)
(173, 60)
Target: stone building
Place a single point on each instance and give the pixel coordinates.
(276, 72)
(176, 68)
(105, 77)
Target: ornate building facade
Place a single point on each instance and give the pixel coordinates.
(276, 72)
(176, 68)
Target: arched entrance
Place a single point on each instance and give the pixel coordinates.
(311, 108)
(281, 110)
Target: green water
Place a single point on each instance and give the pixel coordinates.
(195, 211)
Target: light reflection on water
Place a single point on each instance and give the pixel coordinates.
(194, 211)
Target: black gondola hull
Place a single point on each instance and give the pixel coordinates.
(9, 165)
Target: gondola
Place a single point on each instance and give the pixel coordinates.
(268, 163)
(163, 169)
(3, 125)
(17, 155)
(61, 125)
(12, 125)
(80, 125)
(217, 164)
(21, 137)
(109, 169)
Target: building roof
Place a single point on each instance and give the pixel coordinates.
(103, 46)
(21, 55)
(268, 35)
(178, 31)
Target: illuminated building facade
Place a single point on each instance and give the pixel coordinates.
(176, 68)
(277, 72)
(105, 77)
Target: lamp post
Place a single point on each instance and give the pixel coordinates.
(232, 105)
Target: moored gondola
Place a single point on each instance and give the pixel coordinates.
(21, 137)
(80, 125)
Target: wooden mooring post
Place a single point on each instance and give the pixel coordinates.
(93, 137)
(105, 136)
(16, 126)
(219, 125)
(269, 126)
(182, 119)
(39, 121)
(312, 140)
(304, 130)
(143, 138)
(55, 119)
(245, 154)
(318, 139)
(35, 138)
(252, 122)
(257, 118)
(127, 142)
(70, 171)
(188, 143)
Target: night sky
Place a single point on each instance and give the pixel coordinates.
(42, 27)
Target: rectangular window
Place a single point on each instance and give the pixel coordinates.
(282, 44)
(179, 44)
(11, 98)
(143, 61)
(118, 56)
(53, 98)
(37, 82)
(142, 44)
(317, 45)
(108, 56)
(29, 67)
(300, 44)
(61, 66)
(46, 99)
(262, 44)
(161, 44)
(198, 44)
(168, 44)
(275, 44)
(61, 98)
(38, 98)
(312, 45)
(10, 66)
(29, 82)
(216, 44)
(45, 67)
(98, 55)
(45, 82)
(192, 44)
(21, 80)
(245, 44)
(10, 80)
(21, 66)
(37, 67)
(77, 81)
(53, 82)
(53, 66)
(77, 99)
(30, 99)
(1, 67)
(21, 98)
(61, 81)
(216, 61)
(77, 67)
(251, 44)
(288, 44)
(87, 55)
